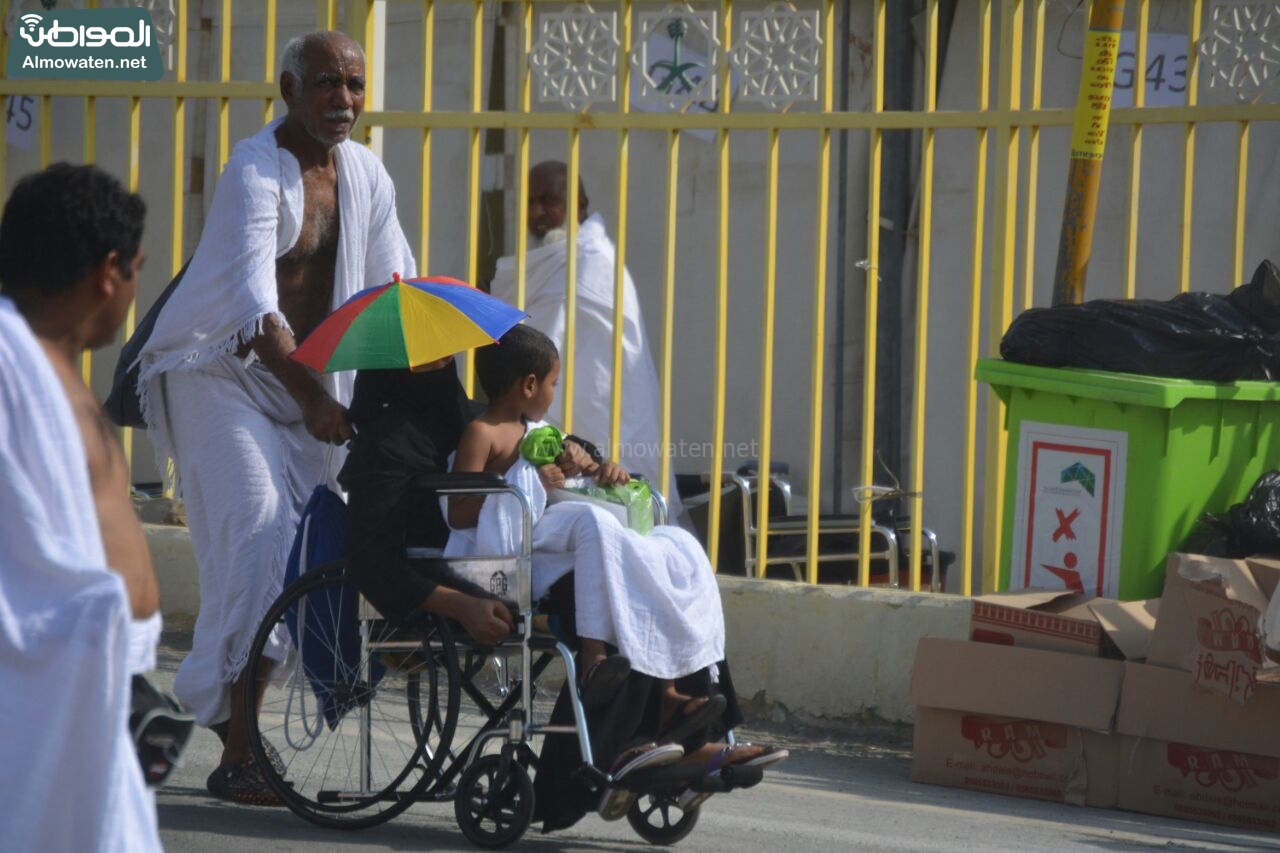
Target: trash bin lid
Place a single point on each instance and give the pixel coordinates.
(1152, 391)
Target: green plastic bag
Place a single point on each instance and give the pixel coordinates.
(542, 446)
(634, 500)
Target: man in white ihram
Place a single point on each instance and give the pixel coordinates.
(302, 219)
(545, 298)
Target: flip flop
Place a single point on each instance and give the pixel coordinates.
(684, 722)
(690, 799)
(602, 682)
(616, 801)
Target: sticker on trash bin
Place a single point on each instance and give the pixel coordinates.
(1070, 500)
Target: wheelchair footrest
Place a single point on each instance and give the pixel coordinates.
(672, 777)
(729, 779)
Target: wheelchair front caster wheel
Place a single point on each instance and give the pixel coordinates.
(494, 803)
(659, 820)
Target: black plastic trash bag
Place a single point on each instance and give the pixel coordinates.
(1192, 336)
(1247, 528)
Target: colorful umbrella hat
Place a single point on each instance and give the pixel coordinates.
(406, 323)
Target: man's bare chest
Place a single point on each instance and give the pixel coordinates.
(320, 222)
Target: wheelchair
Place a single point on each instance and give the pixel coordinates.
(372, 717)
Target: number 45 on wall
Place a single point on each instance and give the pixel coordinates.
(22, 120)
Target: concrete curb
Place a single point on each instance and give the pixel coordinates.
(828, 655)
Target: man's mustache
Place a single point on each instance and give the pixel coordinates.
(340, 115)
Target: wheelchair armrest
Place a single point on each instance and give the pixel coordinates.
(447, 481)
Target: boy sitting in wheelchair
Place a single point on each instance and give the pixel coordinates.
(652, 597)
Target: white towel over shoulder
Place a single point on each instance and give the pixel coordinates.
(69, 776)
(256, 218)
(653, 596)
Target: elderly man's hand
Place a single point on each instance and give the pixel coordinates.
(551, 476)
(612, 474)
(326, 420)
(488, 621)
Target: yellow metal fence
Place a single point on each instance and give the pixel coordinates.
(1006, 226)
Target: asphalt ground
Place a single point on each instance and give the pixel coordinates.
(839, 791)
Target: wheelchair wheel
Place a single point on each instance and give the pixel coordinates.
(360, 724)
(494, 803)
(659, 820)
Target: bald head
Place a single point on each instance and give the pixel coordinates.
(548, 198)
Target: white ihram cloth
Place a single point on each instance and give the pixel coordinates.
(69, 776)
(653, 596)
(245, 462)
(593, 347)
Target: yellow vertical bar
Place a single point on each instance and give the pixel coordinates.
(571, 278)
(473, 168)
(46, 130)
(1135, 153)
(818, 344)
(269, 55)
(870, 337)
(620, 257)
(968, 523)
(4, 142)
(722, 295)
(1003, 254)
(1033, 158)
(424, 187)
(135, 161)
(1242, 194)
(1189, 149)
(179, 141)
(90, 155)
(766, 349)
(923, 272)
(522, 163)
(668, 306)
(224, 74)
(326, 14)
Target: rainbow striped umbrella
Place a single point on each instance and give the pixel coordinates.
(406, 323)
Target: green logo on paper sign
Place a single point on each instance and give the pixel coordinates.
(86, 44)
(1078, 473)
(675, 69)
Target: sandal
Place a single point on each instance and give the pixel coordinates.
(273, 755)
(602, 682)
(616, 801)
(242, 783)
(767, 757)
(689, 717)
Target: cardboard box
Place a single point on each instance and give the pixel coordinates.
(1016, 721)
(1193, 754)
(1063, 621)
(1052, 620)
(1210, 624)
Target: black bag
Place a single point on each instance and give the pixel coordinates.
(122, 404)
(1192, 336)
(160, 730)
(1245, 529)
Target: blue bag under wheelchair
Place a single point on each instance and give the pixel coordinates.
(323, 624)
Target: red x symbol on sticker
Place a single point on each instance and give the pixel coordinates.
(1064, 525)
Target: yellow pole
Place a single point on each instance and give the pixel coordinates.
(870, 336)
(620, 256)
(424, 186)
(1135, 154)
(1088, 144)
(722, 298)
(570, 278)
(1194, 11)
(968, 519)
(668, 305)
(473, 170)
(817, 350)
(766, 350)
(522, 165)
(924, 267)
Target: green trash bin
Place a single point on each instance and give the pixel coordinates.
(1109, 472)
